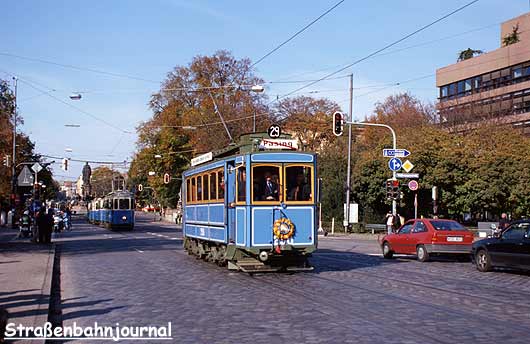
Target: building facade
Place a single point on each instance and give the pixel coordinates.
(492, 87)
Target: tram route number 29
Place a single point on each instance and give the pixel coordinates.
(274, 131)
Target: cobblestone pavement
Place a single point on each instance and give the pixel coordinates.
(144, 277)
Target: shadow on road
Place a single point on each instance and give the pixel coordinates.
(331, 260)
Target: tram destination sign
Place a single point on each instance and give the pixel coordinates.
(279, 144)
(202, 159)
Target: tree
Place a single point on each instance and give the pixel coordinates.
(468, 54)
(188, 97)
(305, 117)
(101, 181)
(513, 37)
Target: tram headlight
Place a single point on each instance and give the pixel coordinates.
(124, 218)
(263, 256)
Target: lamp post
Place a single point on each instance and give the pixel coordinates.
(256, 89)
(14, 160)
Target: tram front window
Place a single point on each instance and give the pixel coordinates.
(266, 183)
(298, 180)
(124, 204)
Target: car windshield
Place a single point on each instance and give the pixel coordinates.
(447, 226)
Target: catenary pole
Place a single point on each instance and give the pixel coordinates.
(348, 170)
(14, 159)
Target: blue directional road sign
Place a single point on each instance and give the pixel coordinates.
(394, 164)
(395, 153)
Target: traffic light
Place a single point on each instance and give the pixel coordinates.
(65, 164)
(167, 178)
(7, 161)
(338, 123)
(392, 189)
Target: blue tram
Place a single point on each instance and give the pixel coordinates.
(254, 211)
(115, 210)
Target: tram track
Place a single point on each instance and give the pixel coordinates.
(487, 304)
(383, 297)
(435, 274)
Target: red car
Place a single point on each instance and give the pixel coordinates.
(426, 237)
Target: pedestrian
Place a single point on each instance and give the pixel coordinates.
(389, 222)
(45, 225)
(503, 223)
(40, 221)
(3, 216)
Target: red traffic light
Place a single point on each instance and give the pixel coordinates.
(338, 123)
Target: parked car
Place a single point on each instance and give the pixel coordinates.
(427, 237)
(511, 248)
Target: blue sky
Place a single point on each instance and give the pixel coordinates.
(148, 38)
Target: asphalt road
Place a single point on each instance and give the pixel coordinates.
(144, 277)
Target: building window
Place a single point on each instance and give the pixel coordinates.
(452, 89)
(460, 87)
(476, 83)
(517, 72)
(444, 91)
(467, 86)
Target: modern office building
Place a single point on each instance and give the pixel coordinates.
(493, 86)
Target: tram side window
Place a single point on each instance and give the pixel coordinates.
(124, 204)
(213, 186)
(205, 189)
(188, 190)
(241, 184)
(193, 189)
(199, 188)
(299, 186)
(220, 185)
(116, 204)
(266, 183)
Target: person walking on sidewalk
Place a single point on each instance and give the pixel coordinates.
(389, 222)
(45, 225)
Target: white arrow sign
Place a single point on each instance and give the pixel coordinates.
(395, 153)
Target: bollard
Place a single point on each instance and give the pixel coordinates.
(333, 225)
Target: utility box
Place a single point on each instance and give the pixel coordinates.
(354, 213)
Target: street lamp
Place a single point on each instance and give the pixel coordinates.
(75, 96)
(256, 89)
(151, 173)
(158, 156)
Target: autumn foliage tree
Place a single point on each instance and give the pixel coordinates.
(187, 118)
(308, 119)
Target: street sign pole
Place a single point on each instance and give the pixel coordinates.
(415, 204)
(348, 182)
(394, 145)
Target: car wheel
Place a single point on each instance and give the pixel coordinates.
(387, 252)
(483, 261)
(422, 253)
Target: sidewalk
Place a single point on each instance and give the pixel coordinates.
(25, 279)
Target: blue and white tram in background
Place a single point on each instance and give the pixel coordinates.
(255, 211)
(115, 210)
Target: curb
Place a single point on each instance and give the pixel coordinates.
(42, 317)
